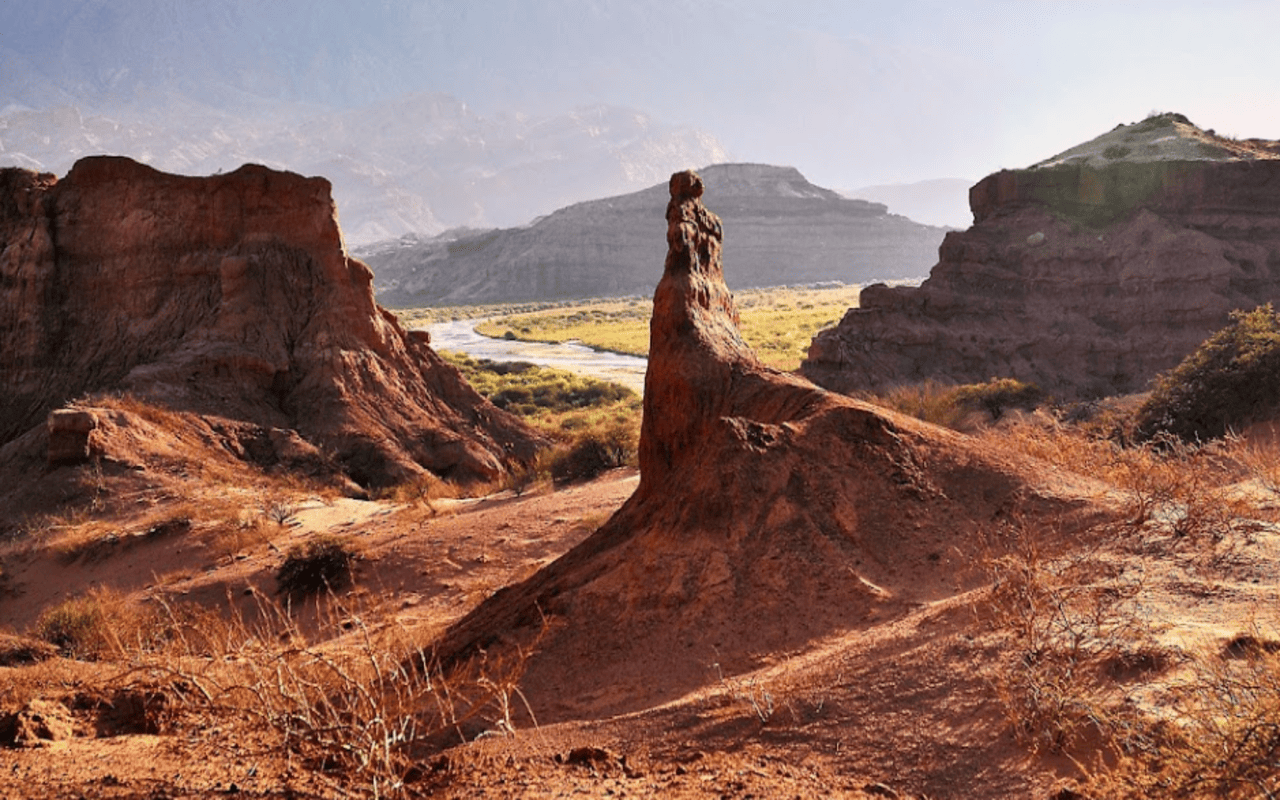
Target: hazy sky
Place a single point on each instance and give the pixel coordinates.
(856, 92)
(852, 92)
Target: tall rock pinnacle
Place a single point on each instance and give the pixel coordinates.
(770, 513)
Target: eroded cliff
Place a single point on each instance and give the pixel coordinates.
(230, 295)
(1087, 274)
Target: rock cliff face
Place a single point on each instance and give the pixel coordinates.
(769, 513)
(785, 231)
(1086, 275)
(230, 295)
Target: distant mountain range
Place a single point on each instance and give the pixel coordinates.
(342, 90)
(779, 229)
(418, 163)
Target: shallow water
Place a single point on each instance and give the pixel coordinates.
(460, 336)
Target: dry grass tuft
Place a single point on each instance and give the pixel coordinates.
(1071, 637)
(1219, 737)
(358, 701)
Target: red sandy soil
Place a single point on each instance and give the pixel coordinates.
(904, 709)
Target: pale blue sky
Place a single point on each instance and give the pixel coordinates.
(852, 92)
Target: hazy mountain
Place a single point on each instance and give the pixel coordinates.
(320, 88)
(779, 229)
(942, 201)
(416, 163)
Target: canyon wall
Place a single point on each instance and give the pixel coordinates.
(1087, 279)
(231, 295)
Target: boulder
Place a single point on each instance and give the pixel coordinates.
(70, 431)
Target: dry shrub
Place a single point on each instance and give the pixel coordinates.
(1184, 487)
(1220, 736)
(235, 533)
(422, 490)
(595, 453)
(323, 564)
(98, 626)
(960, 408)
(998, 395)
(362, 703)
(930, 401)
(1071, 636)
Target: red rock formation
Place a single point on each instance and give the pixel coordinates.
(769, 512)
(230, 295)
(1085, 278)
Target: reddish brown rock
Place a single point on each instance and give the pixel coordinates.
(770, 513)
(1087, 276)
(230, 295)
(70, 436)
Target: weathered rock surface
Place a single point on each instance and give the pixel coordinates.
(769, 513)
(231, 295)
(785, 231)
(1086, 275)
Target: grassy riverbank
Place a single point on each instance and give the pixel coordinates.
(778, 323)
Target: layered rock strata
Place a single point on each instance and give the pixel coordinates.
(769, 513)
(230, 295)
(1087, 275)
(785, 231)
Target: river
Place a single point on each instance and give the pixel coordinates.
(460, 336)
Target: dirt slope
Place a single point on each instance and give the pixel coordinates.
(769, 515)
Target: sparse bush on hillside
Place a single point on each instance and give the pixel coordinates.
(99, 625)
(323, 564)
(1068, 628)
(1231, 380)
(595, 453)
(1221, 735)
(999, 395)
(953, 406)
(929, 401)
(353, 698)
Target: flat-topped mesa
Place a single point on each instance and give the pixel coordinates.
(229, 295)
(1087, 274)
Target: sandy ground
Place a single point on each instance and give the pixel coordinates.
(905, 708)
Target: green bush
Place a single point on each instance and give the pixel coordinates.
(1231, 380)
(526, 389)
(323, 564)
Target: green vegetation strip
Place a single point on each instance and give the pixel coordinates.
(778, 323)
(553, 400)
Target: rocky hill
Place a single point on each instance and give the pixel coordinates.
(769, 514)
(1086, 274)
(784, 230)
(230, 296)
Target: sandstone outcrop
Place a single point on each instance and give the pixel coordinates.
(231, 296)
(785, 231)
(770, 512)
(1087, 274)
